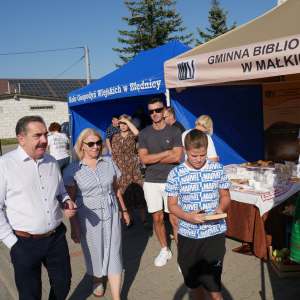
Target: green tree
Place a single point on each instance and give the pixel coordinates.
(218, 23)
(160, 26)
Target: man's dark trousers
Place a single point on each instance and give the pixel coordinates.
(28, 254)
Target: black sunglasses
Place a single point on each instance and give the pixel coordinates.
(91, 144)
(65, 205)
(157, 110)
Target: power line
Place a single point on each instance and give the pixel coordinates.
(41, 51)
(51, 40)
(70, 67)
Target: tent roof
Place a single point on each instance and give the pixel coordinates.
(279, 22)
(143, 75)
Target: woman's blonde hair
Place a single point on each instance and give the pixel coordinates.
(195, 139)
(125, 117)
(206, 122)
(77, 152)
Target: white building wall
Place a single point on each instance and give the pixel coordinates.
(12, 110)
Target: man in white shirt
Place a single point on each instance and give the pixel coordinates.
(30, 180)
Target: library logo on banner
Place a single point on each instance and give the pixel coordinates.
(186, 70)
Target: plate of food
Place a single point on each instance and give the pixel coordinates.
(233, 180)
(243, 181)
(242, 188)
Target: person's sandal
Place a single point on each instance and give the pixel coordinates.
(147, 225)
(98, 288)
(131, 223)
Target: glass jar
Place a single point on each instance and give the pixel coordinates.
(294, 170)
(260, 176)
(286, 172)
(278, 170)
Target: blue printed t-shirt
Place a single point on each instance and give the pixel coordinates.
(198, 189)
(111, 131)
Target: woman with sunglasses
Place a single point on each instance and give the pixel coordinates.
(131, 181)
(92, 180)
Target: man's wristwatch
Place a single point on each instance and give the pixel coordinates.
(125, 210)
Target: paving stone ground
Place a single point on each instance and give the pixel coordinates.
(244, 277)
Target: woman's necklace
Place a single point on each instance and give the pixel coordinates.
(124, 134)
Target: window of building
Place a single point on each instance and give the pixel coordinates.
(42, 107)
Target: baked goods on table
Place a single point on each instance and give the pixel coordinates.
(257, 163)
(243, 181)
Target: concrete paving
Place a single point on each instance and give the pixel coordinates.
(244, 277)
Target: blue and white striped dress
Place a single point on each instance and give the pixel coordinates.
(98, 219)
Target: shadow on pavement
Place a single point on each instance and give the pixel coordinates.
(135, 241)
(83, 289)
(184, 290)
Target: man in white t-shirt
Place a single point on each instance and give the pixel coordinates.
(59, 144)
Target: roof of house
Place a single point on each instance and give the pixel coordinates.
(57, 88)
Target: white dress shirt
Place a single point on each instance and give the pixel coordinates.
(28, 191)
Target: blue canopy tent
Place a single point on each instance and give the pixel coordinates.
(122, 90)
(143, 78)
(237, 114)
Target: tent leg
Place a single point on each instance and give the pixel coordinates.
(70, 132)
(168, 97)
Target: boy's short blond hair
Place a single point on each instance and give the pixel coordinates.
(206, 122)
(195, 139)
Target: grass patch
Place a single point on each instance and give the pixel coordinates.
(5, 142)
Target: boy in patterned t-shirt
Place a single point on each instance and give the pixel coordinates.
(192, 187)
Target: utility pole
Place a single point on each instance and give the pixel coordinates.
(87, 62)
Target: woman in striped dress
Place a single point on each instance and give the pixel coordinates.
(91, 181)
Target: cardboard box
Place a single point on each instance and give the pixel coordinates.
(281, 269)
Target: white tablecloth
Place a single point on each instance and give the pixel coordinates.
(264, 201)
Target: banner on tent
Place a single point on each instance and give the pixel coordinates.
(122, 90)
(281, 107)
(264, 59)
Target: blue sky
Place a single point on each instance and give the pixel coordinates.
(35, 25)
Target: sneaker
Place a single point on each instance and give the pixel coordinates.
(163, 257)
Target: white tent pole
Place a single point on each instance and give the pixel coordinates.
(168, 97)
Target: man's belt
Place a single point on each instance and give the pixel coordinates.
(34, 236)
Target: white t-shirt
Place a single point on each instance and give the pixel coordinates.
(58, 145)
(211, 151)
